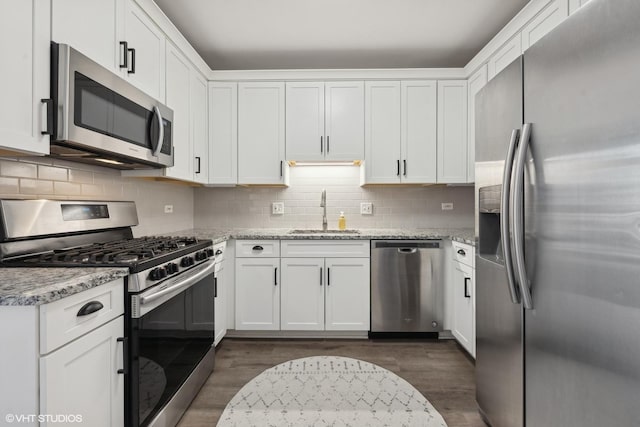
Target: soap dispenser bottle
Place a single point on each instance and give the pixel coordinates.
(342, 221)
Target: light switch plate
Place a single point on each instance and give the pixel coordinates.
(447, 206)
(366, 208)
(277, 208)
(168, 209)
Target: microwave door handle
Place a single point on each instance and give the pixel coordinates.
(156, 149)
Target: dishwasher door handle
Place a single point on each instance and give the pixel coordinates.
(407, 250)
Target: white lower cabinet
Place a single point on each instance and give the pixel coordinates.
(67, 359)
(302, 294)
(464, 297)
(258, 294)
(347, 304)
(329, 294)
(81, 379)
(220, 304)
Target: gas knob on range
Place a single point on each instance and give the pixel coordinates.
(210, 253)
(157, 273)
(186, 261)
(201, 255)
(171, 268)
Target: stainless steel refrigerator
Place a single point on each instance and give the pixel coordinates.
(558, 257)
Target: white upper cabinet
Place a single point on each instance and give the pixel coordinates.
(178, 99)
(25, 35)
(223, 133)
(382, 132)
(400, 132)
(261, 133)
(452, 131)
(146, 51)
(505, 56)
(305, 121)
(344, 120)
(556, 12)
(476, 82)
(93, 27)
(418, 115)
(199, 127)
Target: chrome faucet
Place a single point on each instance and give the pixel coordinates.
(323, 204)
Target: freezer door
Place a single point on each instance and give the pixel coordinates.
(499, 370)
(582, 220)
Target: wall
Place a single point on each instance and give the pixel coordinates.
(44, 177)
(394, 206)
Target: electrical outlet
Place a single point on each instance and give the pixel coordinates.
(168, 209)
(277, 208)
(366, 208)
(447, 206)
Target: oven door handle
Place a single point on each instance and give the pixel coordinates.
(179, 286)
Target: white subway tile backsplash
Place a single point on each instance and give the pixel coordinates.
(52, 173)
(44, 177)
(394, 206)
(18, 170)
(34, 186)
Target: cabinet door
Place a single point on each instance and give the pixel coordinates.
(552, 15)
(574, 5)
(463, 307)
(419, 144)
(258, 294)
(199, 128)
(452, 131)
(178, 99)
(505, 56)
(82, 378)
(220, 309)
(382, 132)
(25, 35)
(146, 70)
(344, 120)
(261, 133)
(223, 133)
(476, 82)
(302, 298)
(91, 27)
(347, 294)
(305, 121)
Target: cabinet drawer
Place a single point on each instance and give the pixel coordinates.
(464, 253)
(258, 248)
(323, 248)
(59, 320)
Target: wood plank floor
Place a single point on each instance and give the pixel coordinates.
(438, 369)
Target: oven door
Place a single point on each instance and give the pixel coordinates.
(171, 332)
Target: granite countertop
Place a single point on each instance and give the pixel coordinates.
(463, 235)
(36, 286)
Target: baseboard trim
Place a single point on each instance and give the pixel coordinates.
(232, 333)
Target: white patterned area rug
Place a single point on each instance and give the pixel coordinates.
(329, 391)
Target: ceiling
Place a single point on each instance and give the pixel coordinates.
(314, 34)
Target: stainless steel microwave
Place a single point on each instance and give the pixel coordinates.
(102, 119)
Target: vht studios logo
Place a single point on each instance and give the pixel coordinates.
(43, 418)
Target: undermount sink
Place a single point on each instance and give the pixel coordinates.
(316, 231)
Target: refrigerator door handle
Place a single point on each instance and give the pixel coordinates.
(517, 206)
(505, 235)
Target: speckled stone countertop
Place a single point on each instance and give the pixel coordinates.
(464, 235)
(36, 286)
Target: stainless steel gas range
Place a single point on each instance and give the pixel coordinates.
(170, 291)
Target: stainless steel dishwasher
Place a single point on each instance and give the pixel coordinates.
(406, 287)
